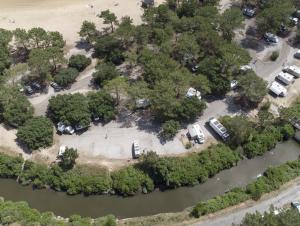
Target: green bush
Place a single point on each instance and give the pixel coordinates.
(80, 62)
(66, 76)
(274, 56)
(130, 180)
(104, 72)
(170, 129)
(36, 133)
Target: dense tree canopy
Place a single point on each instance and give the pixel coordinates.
(80, 62)
(102, 105)
(15, 109)
(36, 133)
(71, 109)
(252, 89)
(66, 76)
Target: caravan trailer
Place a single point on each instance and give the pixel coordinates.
(219, 128)
(285, 78)
(293, 70)
(278, 89)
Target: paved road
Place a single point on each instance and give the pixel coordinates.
(285, 197)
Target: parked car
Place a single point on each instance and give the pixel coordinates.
(95, 118)
(297, 54)
(36, 86)
(62, 128)
(69, 130)
(269, 37)
(233, 84)
(245, 67)
(81, 128)
(55, 86)
(249, 12)
(136, 149)
(296, 205)
(29, 90)
(294, 20)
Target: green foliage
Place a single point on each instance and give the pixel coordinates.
(15, 109)
(274, 56)
(68, 159)
(109, 18)
(66, 76)
(251, 89)
(232, 18)
(274, 14)
(80, 62)
(169, 129)
(102, 105)
(5, 38)
(287, 131)
(239, 128)
(262, 142)
(36, 133)
(19, 213)
(88, 31)
(231, 198)
(130, 180)
(104, 72)
(10, 167)
(71, 109)
(174, 172)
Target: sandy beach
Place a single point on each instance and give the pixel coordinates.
(65, 16)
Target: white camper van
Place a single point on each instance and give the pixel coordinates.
(278, 89)
(285, 78)
(219, 128)
(195, 133)
(293, 70)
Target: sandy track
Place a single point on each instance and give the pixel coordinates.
(65, 16)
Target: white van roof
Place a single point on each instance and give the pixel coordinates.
(277, 88)
(286, 76)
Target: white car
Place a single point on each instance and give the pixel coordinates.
(233, 84)
(296, 205)
(269, 37)
(136, 149)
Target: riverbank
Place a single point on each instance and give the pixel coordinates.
(153, 203)
(182, 218)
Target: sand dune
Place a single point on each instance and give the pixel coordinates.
(65, 16)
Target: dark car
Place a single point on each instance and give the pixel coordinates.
(36, 86)
(249, 12)
(28, 90)
(55, 86)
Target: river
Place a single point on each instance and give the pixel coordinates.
(153, 203)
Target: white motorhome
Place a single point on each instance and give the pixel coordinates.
(219, 128)
(136, 149)
(278, 89)
(293, 70)
(285, 78)
(195, 133)
(192, 92)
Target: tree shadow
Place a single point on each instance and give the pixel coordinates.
(23, 146)
(83, 45)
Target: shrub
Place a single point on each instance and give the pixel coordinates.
(68, 158)
(80, 62)
(66, 76)
(274, 56)
(36, 133)
(169, 129)
(130, 180)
